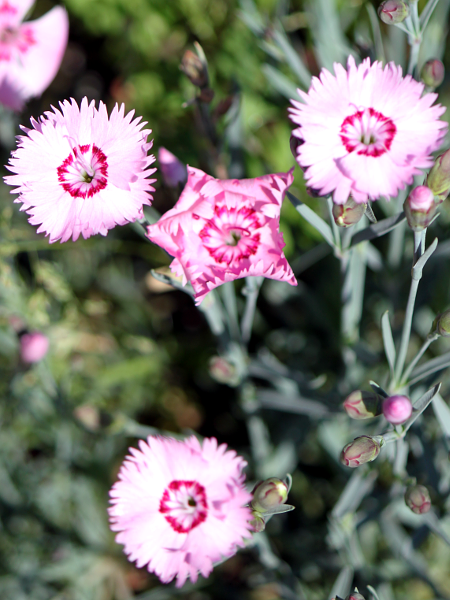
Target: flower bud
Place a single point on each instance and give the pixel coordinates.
(195, 68)
(438, 179)
(268, 494)
(441, 324)
(362, 450)
(433, 73)
(257, 522)
(420, 207)
(355, 595)
(33, 346)
(417, 498)
(349, 213)
(392, 12)
(174, 172)
(363, 405)
(397, 409)
(223, 371)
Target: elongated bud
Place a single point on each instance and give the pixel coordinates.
(397, 409)
(417, 498)
(268, 494)
(363, 405)
(438, 179)
(33, 347)
(195, 67)
(174, 172)
(257, 522)
(355, 595)
(420, 208)
(441, 324)
(433, 73)
(392, 12)
(362, 450)
(349, 213)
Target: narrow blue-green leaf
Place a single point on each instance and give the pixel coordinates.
(378, 389)
(357, 488)
(379, 229)
(388, 341)
(341, 586)
(373, 592)
(292, 58)
(421, 404)
(280, 82)
(418, 267)
(430, 367)
(376, 31)
(442, 412)
(427, 12)
(296, 405)
(251, 17)
(313, 219)
(175, 283)
(353, 293)
(434, 524)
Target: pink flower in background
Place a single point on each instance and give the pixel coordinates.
(30, 52)
(78, 172)
(173, 170)
(33, 346)
(366, 131)
(221, 230)
(179, 506)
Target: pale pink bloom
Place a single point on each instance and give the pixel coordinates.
(221, 230)
(33, 347)
(366, 131)
(30, 52)
(397, 409)
(79, 173)
(421, 198)
(172, 169)
(179, 506)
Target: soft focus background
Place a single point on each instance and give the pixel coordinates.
(128, 356)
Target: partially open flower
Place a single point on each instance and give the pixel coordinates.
(417, 498)
(362, 450)
(420, 207)
(397, 409)
(363, 405)
(349, 213)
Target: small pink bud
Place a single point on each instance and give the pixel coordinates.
(393, 11)
(433, 73)
(355, 595)
(438, 179)
(417, 498)
(420, 207)
(397, 409)
(33, 346)
(174, 172)
(269, 494)
(362, 450)
(362, 405)
(349, 213)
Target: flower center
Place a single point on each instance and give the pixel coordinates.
(84, 172)
(184, 505)
(367, 132)
(230, 235)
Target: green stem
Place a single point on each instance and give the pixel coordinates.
(430, 339)
(251, 290)
(334, 227)
(229, 300)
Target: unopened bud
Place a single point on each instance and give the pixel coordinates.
(392, 12)
(362, 450)
(349, 213)
(438, 179)
(355, 595)
(441, 324)
(268, 494)
(257, 522)
(223, 371)
(420, 207)
(195, 67)
(397, 409)
(363, 405)
(174, 172)
(417, 498)
(433, 73)
(33, 346)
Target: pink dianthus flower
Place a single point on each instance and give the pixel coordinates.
(366, 131)
(179, 506)
(30, 52)
(78, 172)
(221, 230)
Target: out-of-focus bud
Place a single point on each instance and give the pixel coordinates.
(420, 207)
(363, 405)
(174, 172)
(438, 179)
(441, 324)
(33, 347)
(257, 522)
(88, 416)
(393, 11)
(268, 494)
(195, 67)
(397, 409)
(349, 213)
(417, 498)
(355, 595)
(223, 371)
(433, 73)
(362, 450)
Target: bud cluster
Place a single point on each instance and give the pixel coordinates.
(269, 497)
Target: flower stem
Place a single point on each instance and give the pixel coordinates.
(229, 300)
(251, 290)
(430, 339)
